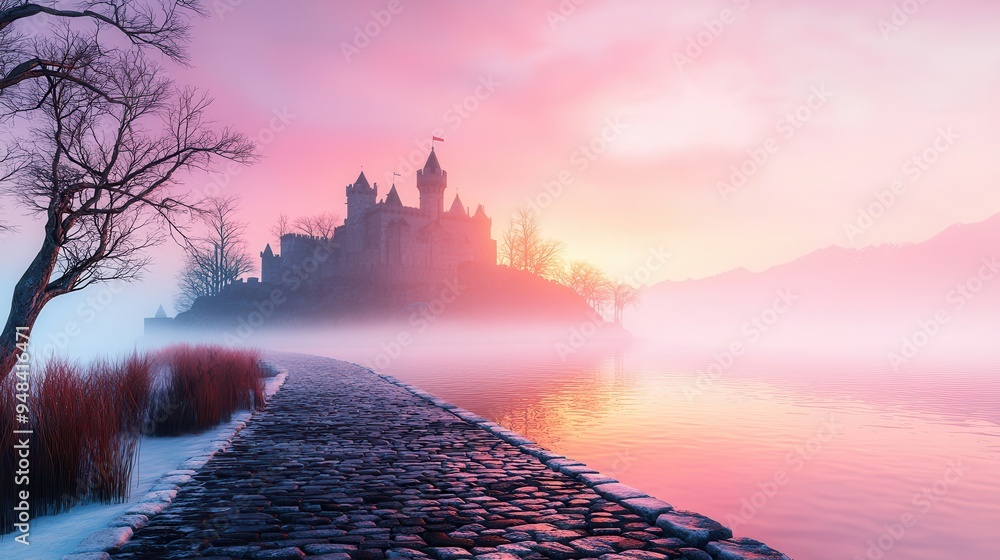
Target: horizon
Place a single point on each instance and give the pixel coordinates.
(644, 178)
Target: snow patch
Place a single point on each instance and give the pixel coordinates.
(163, 464)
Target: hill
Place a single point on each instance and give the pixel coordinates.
(487, 296)
(945, 290)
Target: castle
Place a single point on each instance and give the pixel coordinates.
(386, 243)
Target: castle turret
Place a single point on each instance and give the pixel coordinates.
(431, 182)
(392, 199)
(270, 265)
(360, 198)
(457, 208)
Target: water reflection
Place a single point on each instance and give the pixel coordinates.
(815, 459)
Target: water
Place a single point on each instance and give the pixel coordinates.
(819, 459)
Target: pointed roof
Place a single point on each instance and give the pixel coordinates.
(267, 251)
(457, 207)
(392, 199)
(432, 165)
(480, 212)
(362, 181)
(160, 313)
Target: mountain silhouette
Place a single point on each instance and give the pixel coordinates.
(837, 298)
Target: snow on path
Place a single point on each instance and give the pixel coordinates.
(53, 536)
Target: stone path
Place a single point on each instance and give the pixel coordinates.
(343, 464)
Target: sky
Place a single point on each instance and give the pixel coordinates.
(725, 134)
(643, 108)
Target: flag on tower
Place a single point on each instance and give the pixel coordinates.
(436, 139)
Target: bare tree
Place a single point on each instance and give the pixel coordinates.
(38, 43)
(217, 259)
(522, 246)
(623, 295)
(160, 24)
(282, 226)
(321, 225)
(589, 282)
(103, 171)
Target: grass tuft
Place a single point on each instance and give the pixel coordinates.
(88, 422)
(204, 386)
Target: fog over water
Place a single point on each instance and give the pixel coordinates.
(818, 455)
(809, 438)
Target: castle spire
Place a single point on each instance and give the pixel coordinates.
(432, 165)
(432, 182)
(457, 207)
(362, 181)
(392, 199)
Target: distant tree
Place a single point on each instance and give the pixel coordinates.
(282, 227)
(320, 225)
(523, 247)
(217, 259)
(589, 282)
(623, 295)
(101, 169)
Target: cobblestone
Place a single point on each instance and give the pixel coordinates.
(343, 464)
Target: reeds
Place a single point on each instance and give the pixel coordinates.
(59, 398)
(119, 396)
(8, 491)
(203, 386)
(88, 422)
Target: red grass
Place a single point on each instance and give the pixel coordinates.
(204, 386)
(59, 399)
(7, 464)
(119, 394)
(88, 422)
(86, 432)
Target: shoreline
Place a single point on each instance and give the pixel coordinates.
(632, 524)
(693, 528)
(158, 496)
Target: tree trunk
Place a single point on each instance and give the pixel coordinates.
(30, 295)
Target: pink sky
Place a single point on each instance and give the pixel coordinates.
(557, 81)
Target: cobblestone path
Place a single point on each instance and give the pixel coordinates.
(344, 465)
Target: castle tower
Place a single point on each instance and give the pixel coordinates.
(431, 182)
(360, 198)
(270, 265)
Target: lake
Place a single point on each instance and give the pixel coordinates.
(820, 459)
